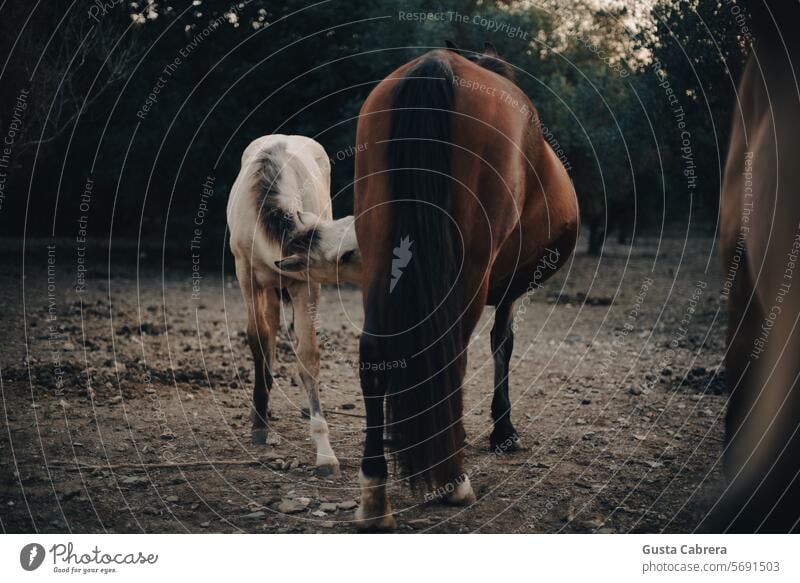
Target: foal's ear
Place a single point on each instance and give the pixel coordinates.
(451, 46)
(292, 263)
(489, 49)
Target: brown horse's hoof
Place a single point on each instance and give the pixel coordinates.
(463, 495)
(258, 436)
(382, 523)
(329, 471)
(505, 444)
(375, 512)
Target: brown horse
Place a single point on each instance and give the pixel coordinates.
(460, 203)
(760, 247)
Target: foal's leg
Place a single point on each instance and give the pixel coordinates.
(305, 297)
(269, 339)
(259, 334)
(375, 511)
(504, 437)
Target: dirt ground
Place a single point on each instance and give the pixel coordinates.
(125, 406)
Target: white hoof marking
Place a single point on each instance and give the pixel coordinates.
(375, 512)
(463, 494)
(319, 434)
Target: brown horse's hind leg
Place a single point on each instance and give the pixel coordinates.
(375, 511)
(504, 437)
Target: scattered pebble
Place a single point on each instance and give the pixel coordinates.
(592, 523)
(293, 505)
(71, 491)
(129, 480)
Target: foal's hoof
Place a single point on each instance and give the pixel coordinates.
(258, 436)
(382, 523)
(329, 471)
(463, 495)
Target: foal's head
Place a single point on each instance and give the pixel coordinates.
(326, 249)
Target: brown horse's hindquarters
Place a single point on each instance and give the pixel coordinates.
(545, 237)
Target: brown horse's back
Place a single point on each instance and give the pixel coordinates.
(760, 248)
(514, 199)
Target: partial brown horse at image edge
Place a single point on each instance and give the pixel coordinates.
(459, 203)
(760, 248)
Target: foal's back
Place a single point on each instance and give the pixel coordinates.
(280, 176)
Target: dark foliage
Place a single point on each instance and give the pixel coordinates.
(127, 117)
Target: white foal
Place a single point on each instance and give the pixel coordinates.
(280, 207)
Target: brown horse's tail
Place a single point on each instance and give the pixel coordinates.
(421, 302)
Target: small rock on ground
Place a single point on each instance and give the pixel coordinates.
(293, 505)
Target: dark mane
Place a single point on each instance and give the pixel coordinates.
(302, 243)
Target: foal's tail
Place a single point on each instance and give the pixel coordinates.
(422, 301)
(270, 171)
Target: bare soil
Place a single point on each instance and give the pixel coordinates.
(125, 407)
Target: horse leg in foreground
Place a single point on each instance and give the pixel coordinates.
(305, 298)
(759, 245)
(263, 310)
(504, 437)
